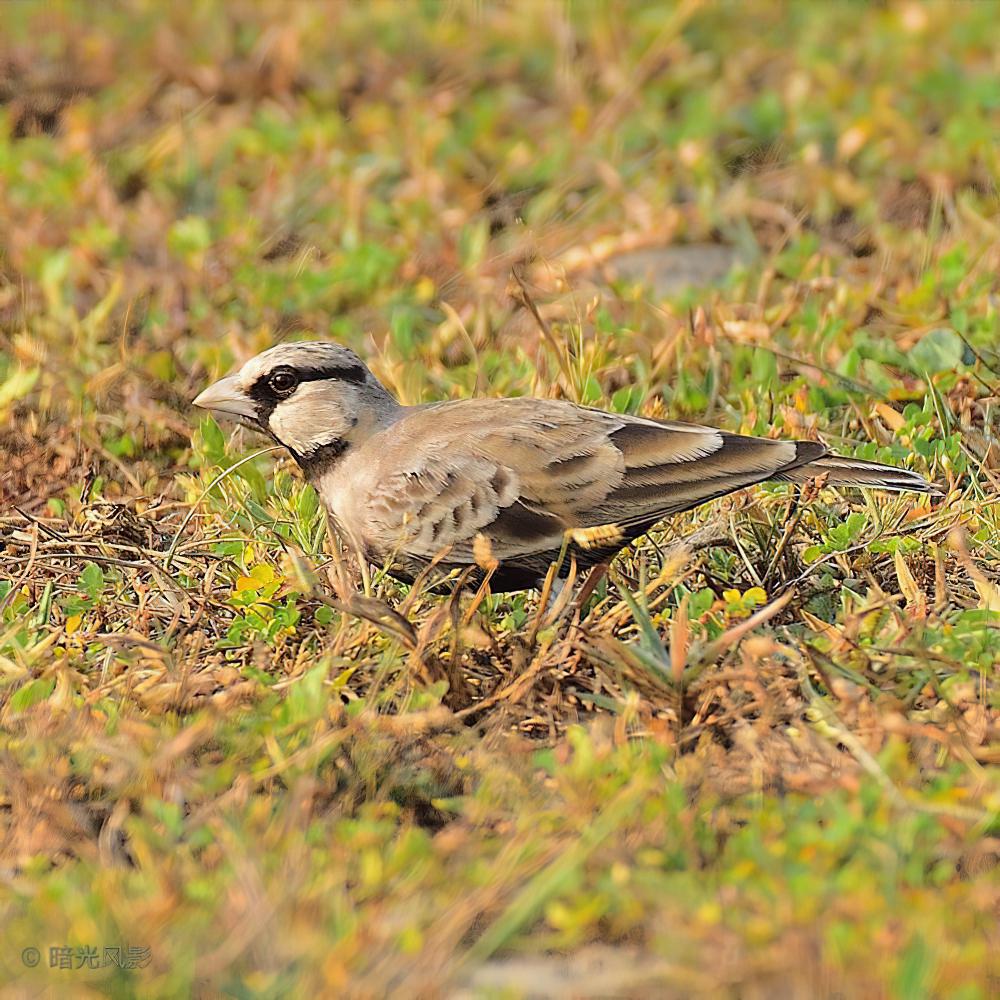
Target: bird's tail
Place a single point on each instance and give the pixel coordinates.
(842, 471)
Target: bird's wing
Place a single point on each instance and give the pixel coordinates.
(523, 472)
(672, 467)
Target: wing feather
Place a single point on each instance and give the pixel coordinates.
(523, 472)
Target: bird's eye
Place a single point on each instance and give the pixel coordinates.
(283, 382)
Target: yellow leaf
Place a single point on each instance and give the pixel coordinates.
(852, 140)
(73, 624)
(17, 385)
(893, 418)
(989, 595)
(263, 573)
(747, 331)
(259, 576)
(907, 585)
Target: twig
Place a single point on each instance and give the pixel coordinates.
(204, 493)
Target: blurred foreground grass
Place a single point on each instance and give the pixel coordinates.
(783, 220)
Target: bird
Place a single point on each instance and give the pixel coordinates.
(504, 486)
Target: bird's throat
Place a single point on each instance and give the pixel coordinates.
(321, 459)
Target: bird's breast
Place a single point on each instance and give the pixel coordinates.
(345, 490)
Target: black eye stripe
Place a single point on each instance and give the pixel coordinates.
(264, 393)
(355, 374)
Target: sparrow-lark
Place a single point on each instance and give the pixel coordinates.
(514, 478)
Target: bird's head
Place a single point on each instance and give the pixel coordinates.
(309, 397)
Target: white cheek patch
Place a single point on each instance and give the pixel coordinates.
(313, 417)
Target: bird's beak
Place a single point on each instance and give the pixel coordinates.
(226, 396)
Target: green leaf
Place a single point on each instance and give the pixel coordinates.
(939, 350)
(17, 385)
(32, 693)
(92, 581)
(307, 504)
(592, 391)
(305, 700)
(213, 441)
(54, 272)
(916, 966)
(189, 236)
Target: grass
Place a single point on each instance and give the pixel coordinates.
(763, 763)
